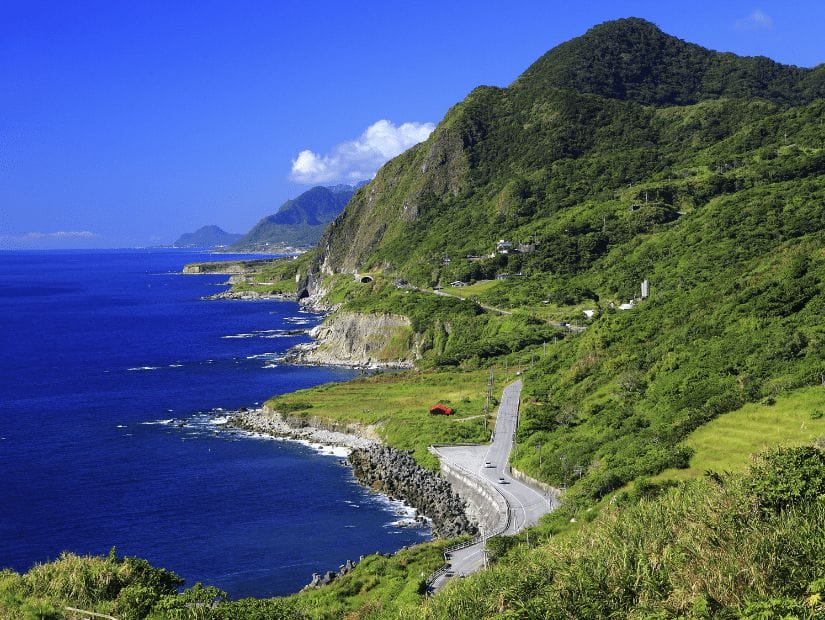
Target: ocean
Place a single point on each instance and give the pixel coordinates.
(115, 378)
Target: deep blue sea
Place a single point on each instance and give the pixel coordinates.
(103, 354)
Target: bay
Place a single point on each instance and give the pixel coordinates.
(114, 379)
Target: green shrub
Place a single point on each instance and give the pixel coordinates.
(786, 477)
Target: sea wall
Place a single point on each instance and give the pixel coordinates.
(360, 340)
(485, 505)
(397, 475)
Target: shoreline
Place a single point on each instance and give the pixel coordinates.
(375, 465)
(275, 424)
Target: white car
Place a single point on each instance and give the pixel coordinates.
(501, 480)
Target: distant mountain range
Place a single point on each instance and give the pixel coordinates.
(207, 237)
(300, 221)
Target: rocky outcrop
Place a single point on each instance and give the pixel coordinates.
(360, 340)
(247, 295)
(227, 267)
(277, 424)
(328, 577)
(396, 474)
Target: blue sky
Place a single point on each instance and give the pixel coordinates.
(127, 123)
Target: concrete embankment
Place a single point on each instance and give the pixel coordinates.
(539, 486)
(396, 474)
(485, 505)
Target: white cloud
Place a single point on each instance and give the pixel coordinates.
(60, 234)
(45, 240)
(757, 20)
(359, 159)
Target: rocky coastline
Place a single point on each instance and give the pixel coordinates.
(396, 474)
(275, 424)
(359, 341)
(251, 296)
(378, 467)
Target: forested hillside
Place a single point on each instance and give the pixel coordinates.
(623, 155)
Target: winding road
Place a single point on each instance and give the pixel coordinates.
(488, 465)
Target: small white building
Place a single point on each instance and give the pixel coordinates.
(588, 314)
(504, 247)
(628, 306)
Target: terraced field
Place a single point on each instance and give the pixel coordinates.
(726, 443)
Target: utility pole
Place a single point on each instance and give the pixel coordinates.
(488, 399)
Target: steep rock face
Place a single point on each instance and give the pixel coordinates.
(404, 188)
(353, 339)
(503, 160)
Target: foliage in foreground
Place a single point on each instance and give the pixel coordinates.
(131, 589)
(730, 546)
(722, 546)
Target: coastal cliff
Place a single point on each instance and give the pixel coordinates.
(362, 340)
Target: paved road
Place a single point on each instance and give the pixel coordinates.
(561, 325)
(441, 293)
(525, 504)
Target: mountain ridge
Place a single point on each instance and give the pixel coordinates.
(540, 121)
(207, 237)
(299, 221)
(557, 201)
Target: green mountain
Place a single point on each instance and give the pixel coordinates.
(621, 105)
(300, 221)
(207, 237)
(620, 156)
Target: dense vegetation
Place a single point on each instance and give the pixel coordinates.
(451, 331)
(608, 165)
(724, 546)
(620, 156)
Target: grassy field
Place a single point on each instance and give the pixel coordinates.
(726, 443)
(471, 290)
(397, 404)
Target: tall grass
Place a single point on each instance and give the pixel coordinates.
(705, 548)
